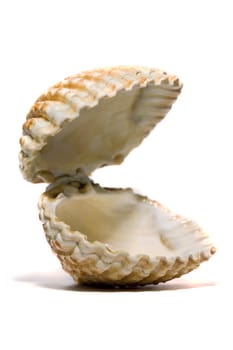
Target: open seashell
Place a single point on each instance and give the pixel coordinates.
(103, 235)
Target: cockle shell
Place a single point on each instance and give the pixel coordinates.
(134, 100)
(102, 235)
(126, 239)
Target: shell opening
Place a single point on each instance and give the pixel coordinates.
(131, 223)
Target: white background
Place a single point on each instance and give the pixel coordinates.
(186, 164)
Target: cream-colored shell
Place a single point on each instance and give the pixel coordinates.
(64, 102)
(149, 95)
(98, 263)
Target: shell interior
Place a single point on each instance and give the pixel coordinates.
(104, 134)
(129, 222)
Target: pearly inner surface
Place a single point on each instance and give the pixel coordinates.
(106, 133)
(129, 222)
